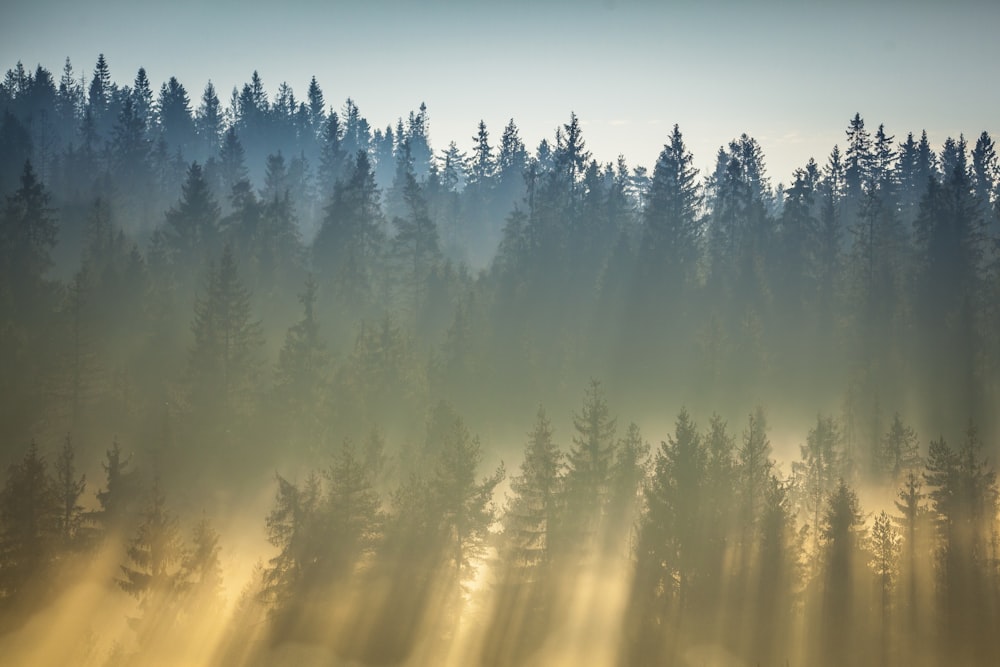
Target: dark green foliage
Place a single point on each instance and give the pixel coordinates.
(589, 469)
(492, 279)
(224, 359)
(531, 514)
(191, 231)
(30, 515)
(347, 245)
(817, 473)
(68, 489)
(672, 224)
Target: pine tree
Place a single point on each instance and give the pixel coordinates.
(100, 96)
(482, 165)
(28, 301)
(857, 160)
(68, 489)
(949, 283)
(208, 123)
(900, 451)
(570, 155)
(347, 244)
(531, 516)
(177, 126)
(671, 529)
(316, 106)
(29, 524)
(885, 562)
(352, 515)
(231, 164)
(27, 237)
(332, 157)
(224, 358)
(913, 527)
(628, 476)
(465, 504)
(120, 494)
(152, 573)
(672, 225)
(589, 466)
(964, 496)
(131, 160)
(985, 180)
(843, 536)
(817, 473)
(292, 528)
(303, 364)
(754, 465)
(200, 573)
(415, 244)
(191, 230)
(527, 587)
(142, 97)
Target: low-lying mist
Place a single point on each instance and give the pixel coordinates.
(278, 388)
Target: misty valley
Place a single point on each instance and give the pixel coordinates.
(280, 387)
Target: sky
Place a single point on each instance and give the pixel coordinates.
(790, 74)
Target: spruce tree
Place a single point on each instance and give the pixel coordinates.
(152, 572)
(531, 516)
(589, 467)
(29, 524)
(191, 230)
(672, 225)
(68, 489)
(224, 358)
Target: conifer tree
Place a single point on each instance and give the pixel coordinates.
(177, 125)
(885, 562)
(152, 573)
(843, 536)
(303, 363)
(672, 226)
(352, 514)
(465, 504)
(200, 574)
(817, 473)
(416, 243)
(531, 516)
(671, 528)
(120, 494)
(208, 122)
(900, 451)
(68, 489)
(224, 357)
(589, 467)
(346, 248)
(292, 527)
(29, 523)
(754, 465)
(191, 230)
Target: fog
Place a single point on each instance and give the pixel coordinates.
(278, 386)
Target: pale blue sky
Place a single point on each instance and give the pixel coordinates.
(789, 73)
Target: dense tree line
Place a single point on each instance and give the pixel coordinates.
(377, 556)
(243, 288)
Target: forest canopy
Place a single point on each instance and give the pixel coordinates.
(278, 386)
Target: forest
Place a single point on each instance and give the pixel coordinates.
(281, 387)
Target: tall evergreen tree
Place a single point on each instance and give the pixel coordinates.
(672, 226)
(191, 230)
(589, 464)
(68, 489)
(348, 242)
(29, 524)
(224, 358)
(531, 516)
